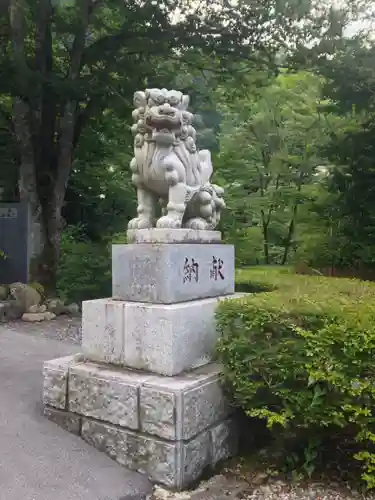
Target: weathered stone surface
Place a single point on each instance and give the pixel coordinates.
(9, 311)
(175, 408)
(202, 406)
(66, 420)
(166, 274)
(105, 394)
(56, 306)
(158, 411)
(55, 387)
(33, 309)
(31, 317)
(160, 338)
(37, 309)
(224, 439)
(24, 295)
(103, 330)
(195, 458)
(158, 235)
(157, 459)
(106, 438)
(72, 309)
(36, 317)
(49, 316)
(169, 339)
(174, 464)
(55, 379)
(169, 428)
(181, 407)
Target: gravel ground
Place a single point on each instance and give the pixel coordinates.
(283, 491)
(223, 488)
(62, 328)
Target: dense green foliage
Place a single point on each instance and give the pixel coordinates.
(299, 355)
(297, 157)
(343, 212)
(84, 271)
(68, 70)
(281, 133)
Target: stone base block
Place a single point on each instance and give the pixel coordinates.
(159, 235)
(55, 380)
(161, 338)
(68, 421)
(171, 429)
(170, 273)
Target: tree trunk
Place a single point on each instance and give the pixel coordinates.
(45, 163)
(289, 237)
(292, 224)
(45, 212)
(265, 224)
(46, 251)
(45, 205)
(266, 246)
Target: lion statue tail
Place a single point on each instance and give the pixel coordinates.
(206, 167)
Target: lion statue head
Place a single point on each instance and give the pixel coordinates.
(161, 115)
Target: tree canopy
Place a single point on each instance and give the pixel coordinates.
(68, 70)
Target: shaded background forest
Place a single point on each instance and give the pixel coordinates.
(285, 101)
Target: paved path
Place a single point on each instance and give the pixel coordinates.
(38, 460)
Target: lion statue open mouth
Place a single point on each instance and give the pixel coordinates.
(164, 122)
(168, 170)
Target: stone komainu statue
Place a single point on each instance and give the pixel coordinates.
(167, 167)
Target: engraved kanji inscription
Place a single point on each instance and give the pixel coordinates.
(191, 271)
(217, 269)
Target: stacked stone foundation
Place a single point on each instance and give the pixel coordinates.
(145, 389)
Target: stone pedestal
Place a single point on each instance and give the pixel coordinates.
(145, 389)
(170, 273)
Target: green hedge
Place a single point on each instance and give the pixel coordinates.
(300, 355)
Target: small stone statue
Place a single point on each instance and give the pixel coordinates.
(167, 167)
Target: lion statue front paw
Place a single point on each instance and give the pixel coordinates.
(168, 222)
(140, 223)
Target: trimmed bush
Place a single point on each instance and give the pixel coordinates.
(300, 355)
